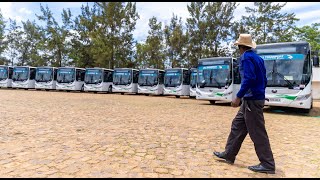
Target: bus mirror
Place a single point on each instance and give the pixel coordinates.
(316, 61)
(304, 78)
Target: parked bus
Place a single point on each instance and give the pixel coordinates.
(70, 79)
(177, 82)
(151, 81)
(46, 78)
(218, 79)
(6, 76)
(289, 74)
(23, 77)
(98, 80)
(125, 80)
(193, 82)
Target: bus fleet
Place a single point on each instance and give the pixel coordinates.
(215, 79)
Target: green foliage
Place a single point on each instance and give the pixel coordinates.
(310, 34)
(267, 24)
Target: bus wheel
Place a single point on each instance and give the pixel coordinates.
(26, 89)
(110, 89)
(146, 94)
(212, 102)
(82, 88)
(177, 96)
(47, 89)
(68, 90)
(122, 93)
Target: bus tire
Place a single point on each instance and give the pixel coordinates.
(212, 102)
(26, 89)
(47, 89)
(146, 94)
(122, 93)
(177, 96)
(110, 89)
(82, 88)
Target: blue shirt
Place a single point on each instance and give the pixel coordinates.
(253, 76)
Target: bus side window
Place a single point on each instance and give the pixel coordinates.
(110, 76)
(236, 73)
(105, 76)
(32, 73)
(83, 73)
(161, 77)
(78, 75)
(135, 76)
(186, 77)
(55, 74)
(10, 72)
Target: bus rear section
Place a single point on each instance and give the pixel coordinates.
(193, 82)
(70, 79)
(46, 78)
(177, 82)
(151, 81)
(215, 79)
(23, 77)
(6, 76)
(289, 74)
(125, 80)
(98, 80)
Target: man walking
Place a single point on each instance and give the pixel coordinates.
(249, 118)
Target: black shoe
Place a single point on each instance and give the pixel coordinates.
(261, 169)
(222, 155)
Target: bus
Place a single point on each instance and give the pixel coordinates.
(125, 80)
(289, 74)
(151, 81)
(6, 76)
(193, 82)
(218, 79)
(23, 77)
(70, 79)
(98, 80)
(46, 78)
(177, 82)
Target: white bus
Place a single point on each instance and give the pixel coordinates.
(23, 77)
(193, 82)
(151, 81)
(177, 82)
(216, 80)
(46, 78)
(70, 79)
(6, 76)
(125, 80)
(98, 80)
(289, 74)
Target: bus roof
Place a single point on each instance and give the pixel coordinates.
(26, 66)
(100, 68)
(152, 69)
(283, 43)
(127, 68)
(47, 67)
(215, 58)
(72, 67)
(176, 68)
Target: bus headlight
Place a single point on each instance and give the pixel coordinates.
(302, 97)
(198, 93)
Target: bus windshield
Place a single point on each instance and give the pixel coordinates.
(215, 75)
(193, 79)
(172, 78)
(44, 74)
(285, 66)
(122, 77)
(3, 73)
(148, 77)
(20, 74)
(65, 75)
(93, 76)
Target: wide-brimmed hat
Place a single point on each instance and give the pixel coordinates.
(245, 40)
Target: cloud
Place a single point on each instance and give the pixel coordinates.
(24, 11)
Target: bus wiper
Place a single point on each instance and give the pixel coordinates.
(282, 76)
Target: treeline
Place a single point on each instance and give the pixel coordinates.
(102, 35)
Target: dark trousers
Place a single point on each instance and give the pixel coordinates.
(250, 120)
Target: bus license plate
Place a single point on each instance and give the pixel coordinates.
(274, 99)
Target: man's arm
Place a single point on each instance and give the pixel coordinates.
(248, 77)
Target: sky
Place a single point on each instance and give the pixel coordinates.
(307, 12)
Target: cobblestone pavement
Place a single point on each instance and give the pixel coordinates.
(60, 134)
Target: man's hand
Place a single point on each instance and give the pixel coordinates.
(235, 102)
